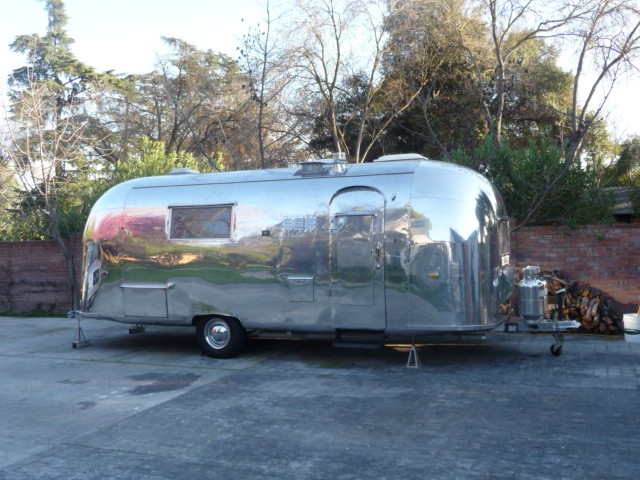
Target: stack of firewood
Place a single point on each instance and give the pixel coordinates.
(594, 310)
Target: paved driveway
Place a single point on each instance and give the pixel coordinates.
(148, 406)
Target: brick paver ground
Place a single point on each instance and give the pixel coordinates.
(149, 406)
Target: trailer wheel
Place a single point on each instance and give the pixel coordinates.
(556, 352)
(220, 337)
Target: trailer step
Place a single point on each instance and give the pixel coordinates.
(359, 339)
(358, 345)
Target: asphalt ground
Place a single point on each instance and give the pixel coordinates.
(149, 406)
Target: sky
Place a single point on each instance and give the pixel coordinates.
(125, 36)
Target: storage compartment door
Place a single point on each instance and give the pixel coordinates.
(145, 300)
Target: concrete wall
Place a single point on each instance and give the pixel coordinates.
(33, 274)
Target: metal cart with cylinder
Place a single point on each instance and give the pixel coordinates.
(532, 305)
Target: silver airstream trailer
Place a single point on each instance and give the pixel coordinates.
(393, 250)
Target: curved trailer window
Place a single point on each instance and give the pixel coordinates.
(201, 222)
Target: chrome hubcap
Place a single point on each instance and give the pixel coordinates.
(218, 334)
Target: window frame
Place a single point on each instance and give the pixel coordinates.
(222, 239)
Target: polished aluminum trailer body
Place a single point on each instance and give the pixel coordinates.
(406, 248)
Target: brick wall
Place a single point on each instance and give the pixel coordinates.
(607, 258)
(33, 274)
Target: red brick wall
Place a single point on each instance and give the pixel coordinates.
(33, 274)
(606, 257)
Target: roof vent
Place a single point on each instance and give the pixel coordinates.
(315, 167)
(324, 166)
(182, 171)
(310, 168)
(400, 156)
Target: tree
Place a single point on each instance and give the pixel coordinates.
(607, 38)
(45, 137)
(354, 100)
(429, 47)
(448, 46)
(152, 160)
(8, 196)
(266, 64)
(599, 152)
(513, 24)
(536, 186)
(51, 61)
(609, 27)
(319, 43)
(538, 94)
(193, 102)
(44, 145)
(625, 171)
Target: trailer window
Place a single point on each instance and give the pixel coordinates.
(201, 222)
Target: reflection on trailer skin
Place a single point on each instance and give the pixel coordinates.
(400, 248)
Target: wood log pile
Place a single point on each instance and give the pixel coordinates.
(594, 310)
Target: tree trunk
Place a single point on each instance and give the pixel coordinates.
(69, 257)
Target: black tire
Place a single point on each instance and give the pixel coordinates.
(220, 337)
(556, 352)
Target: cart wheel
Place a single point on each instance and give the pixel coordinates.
(220, 338)
(556, 352)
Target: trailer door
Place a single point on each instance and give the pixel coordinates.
(357, 263)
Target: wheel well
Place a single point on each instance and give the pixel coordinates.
(197, 318)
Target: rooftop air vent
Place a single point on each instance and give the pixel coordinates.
(314, 167)
(400, 156)
(182, 171)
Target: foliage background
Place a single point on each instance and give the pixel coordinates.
(477, 82)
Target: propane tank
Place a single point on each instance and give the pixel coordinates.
(532, 298)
